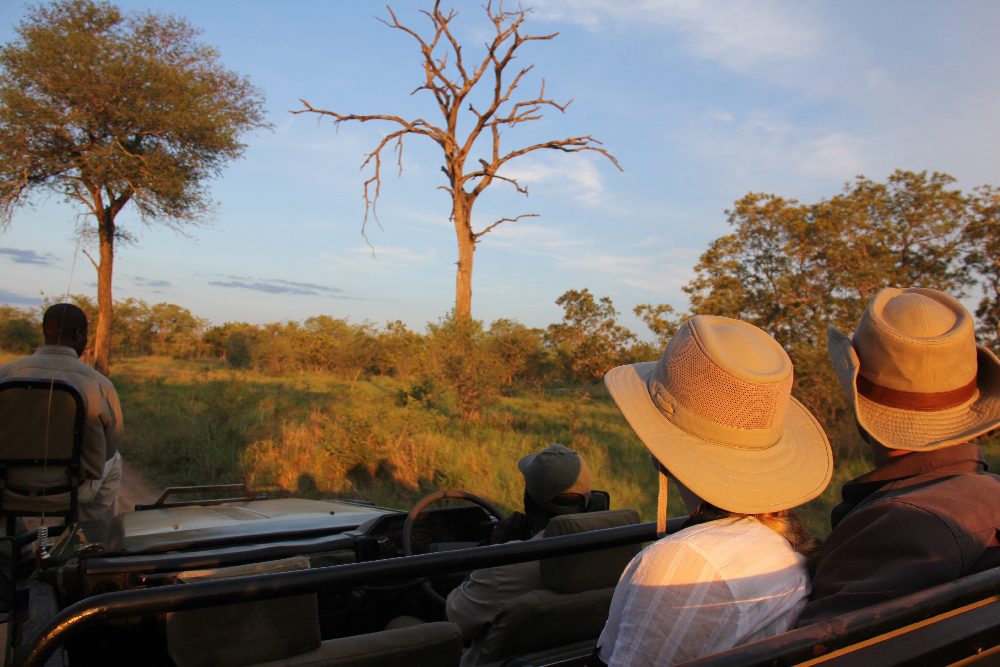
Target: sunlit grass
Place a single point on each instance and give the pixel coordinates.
(311, 434)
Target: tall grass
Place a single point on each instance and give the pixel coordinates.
(389, 441)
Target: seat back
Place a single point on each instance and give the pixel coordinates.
(425, 645)
(576, 606)
(246, 633)
(595, 569)
(41, 436)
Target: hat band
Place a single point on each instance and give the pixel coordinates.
(699, 427)
(911, 400)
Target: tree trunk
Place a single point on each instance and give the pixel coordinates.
(466, 247)
(102, 336)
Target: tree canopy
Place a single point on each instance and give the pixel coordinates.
(105, 110)
(793, 269)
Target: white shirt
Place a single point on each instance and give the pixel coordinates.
(702, 590)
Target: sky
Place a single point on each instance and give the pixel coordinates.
(700, 102)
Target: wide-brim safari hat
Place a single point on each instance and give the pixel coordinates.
(716, 410)
(913, 373)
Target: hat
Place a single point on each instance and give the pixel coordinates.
(913, 372)
(553, 471)
(716, 410)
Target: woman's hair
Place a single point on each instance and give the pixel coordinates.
(783, 522)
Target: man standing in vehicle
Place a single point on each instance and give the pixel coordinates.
(557, 481)
(922, 391)
(65, 329)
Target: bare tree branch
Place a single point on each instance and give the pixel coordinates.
(451, 79)
(502, 220)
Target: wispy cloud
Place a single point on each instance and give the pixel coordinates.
(139, 281)
(29, 257)
(384, 261)
(738, 34)
(575, 173)
(10, 298)
(278, 286)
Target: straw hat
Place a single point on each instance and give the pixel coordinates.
(716, 410)
(913, 372)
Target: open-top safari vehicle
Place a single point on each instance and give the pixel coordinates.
(279, 582)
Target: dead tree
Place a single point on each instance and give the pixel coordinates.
(451, 85)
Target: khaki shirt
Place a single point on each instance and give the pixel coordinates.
(474, 605)
(104, 428)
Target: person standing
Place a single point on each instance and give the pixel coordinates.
(65, 329)
(921, 391)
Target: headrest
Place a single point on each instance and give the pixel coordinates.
(594, 569)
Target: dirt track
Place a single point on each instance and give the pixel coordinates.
(136, 488)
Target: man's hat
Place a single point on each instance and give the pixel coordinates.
(716, 410)
(913, 372)
(552, 472)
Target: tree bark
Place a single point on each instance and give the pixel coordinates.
(102, 336)
(466, 248)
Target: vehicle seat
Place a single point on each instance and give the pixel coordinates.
(425, 645)
(38, 476)
(575, 606)
(284, 632)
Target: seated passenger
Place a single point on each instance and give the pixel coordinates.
(557, 481)
(921, 390)
(65, 329)
(716, 414)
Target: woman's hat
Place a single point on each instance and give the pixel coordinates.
(716, 410)
(913, 372)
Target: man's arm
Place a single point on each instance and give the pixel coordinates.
(473, 605)
(878, 553)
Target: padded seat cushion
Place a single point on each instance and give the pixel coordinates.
(541, 620)
(242, 634)
(426, 645)
(594, 569)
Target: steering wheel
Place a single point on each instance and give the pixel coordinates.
(421, 504)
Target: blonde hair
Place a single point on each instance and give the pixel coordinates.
(783, 522)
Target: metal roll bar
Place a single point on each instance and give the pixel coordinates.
(124, 604)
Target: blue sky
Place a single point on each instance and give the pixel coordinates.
(701, 102)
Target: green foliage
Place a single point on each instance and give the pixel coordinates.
(658, 319)
(131, 109)
(795, 269)
(20, 331)
(984, 260)
(588, 340)
(459, 355)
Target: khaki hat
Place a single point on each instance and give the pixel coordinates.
(716, 410)
(913, 372)
(553, 471)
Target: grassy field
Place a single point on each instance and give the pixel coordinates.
(384, 440)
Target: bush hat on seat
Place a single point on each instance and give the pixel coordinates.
(913, 372)
(716, 410)
(552, 472)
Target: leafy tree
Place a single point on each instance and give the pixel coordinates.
(793, 269)
(658, 319)
(588, 337)
(20, 331)
(104, 111)
(452, 81)
(458, 355)
(984, 234)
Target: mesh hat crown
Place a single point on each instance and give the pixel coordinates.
(716, 410)
(913, 372)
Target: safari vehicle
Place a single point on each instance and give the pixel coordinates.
(248, 580)
(333, 573)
